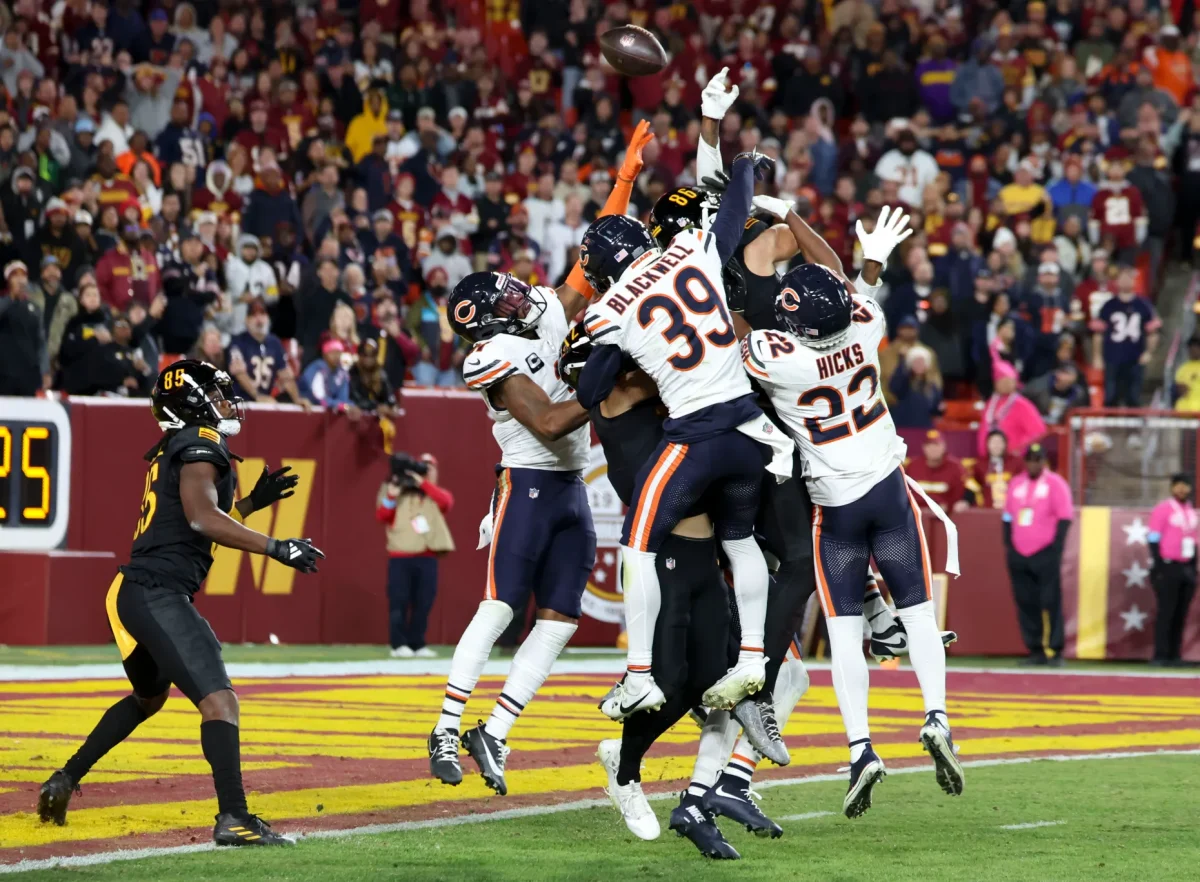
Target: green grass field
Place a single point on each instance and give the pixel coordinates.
(1122, 819)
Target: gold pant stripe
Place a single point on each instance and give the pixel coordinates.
(125, 641)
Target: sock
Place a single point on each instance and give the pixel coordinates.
(716, 740)
(221, 742)
(470, 655)
(857, 748)
(115, 726)
(926, 654)
(530, 667)
(743, 762)
(851, 680)
(750, 581)
(639, 579)
(879, 615)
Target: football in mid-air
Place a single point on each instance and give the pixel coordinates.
(633, 51)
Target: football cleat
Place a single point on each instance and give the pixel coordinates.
(889, 643)
(935, 738)
(699, 715)
(443, 756)
(865, 773)
(247, 830)
(490, 754)
(55, 797)
(628, 799)
(731, 797)
(757, 718)
(690, 819)
(744, 678)
(621, 702)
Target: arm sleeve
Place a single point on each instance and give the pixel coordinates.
(599, 375)
(441, 497)
(708, 160)
(384, 513)
(735, 209)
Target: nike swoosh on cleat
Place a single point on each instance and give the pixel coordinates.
(721, 792)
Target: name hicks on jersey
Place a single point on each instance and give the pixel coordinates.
(842, 360)
(670, 259)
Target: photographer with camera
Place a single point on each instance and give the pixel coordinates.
(413, 507)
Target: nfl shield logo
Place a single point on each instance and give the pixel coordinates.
(670, 563)
(533, 492)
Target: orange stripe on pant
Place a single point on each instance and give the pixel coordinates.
(652, 492)
(505, 490)
(822, 585)
(925, 567)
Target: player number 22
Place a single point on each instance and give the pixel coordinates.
(688, 280)
(861, 417)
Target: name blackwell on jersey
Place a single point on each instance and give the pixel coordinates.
(670, 259)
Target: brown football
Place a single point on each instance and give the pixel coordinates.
(633, 51)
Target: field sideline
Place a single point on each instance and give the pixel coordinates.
(333, 753)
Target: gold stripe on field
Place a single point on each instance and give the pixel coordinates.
(1091, 639)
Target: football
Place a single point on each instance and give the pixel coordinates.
(633, 51)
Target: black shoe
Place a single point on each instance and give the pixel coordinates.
(757, 717)
(1161, 663)
(443, 756)
(55, 796)
(691, 820)
(865, 773)
(247, 829)
(489, 754)
(730, 797)
(937, 741)
(1056, 661)
(1034, 660)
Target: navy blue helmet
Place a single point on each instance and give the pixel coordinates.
(609, 246)
(486, 304)
(814, 305)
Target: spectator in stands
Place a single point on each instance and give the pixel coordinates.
(24, 356)
(1010, 412)
(916, 389)
(370, 389)
(977, 80)
(911, 300)
(412, 507)
(270, 204)
(257, 361)
(1124, 337)
(992, 472)
(86, 357)
(326, 381)
(942, 333)
(55, 303)
(1044, 308)
(1057, 392)
(563, 235)
(315, 301)
(209, 347)
(940, 475)
(1072, 194)
(248, 278)
(1158, 195)
(912, 168)
(1186, 393)
(1118, 219)
(448, 257)
(1172, 541)
(1037, 515)
(191, 291)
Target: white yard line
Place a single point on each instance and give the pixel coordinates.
(441, 667)
(1031, 825)
(88, 860)
(807, 816)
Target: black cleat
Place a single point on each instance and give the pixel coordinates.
(1034, 660)
(757, 717)
(935, 738)
(691, 820)
(55, 797)
(730, 797)
(890, 643)
(247, 829)
(443, 756)
(489, 754)
(864, 775)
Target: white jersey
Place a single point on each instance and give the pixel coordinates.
(505, 355)
(668, 311)
(831, 403)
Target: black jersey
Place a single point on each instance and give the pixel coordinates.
(167, 552)
(759, 307)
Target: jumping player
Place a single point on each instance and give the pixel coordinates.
(187, 508)
(822, 375)
(540, 523)
(666, 309)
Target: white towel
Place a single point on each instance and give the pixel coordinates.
(951, 530)
(485, 531)
(763, 430)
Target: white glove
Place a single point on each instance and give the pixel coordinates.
(777, 207)
(890, 230)
(714, 100)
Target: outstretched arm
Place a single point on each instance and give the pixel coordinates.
(532, 408)
(891, 229)
(735, 205)
(782, 241)
(715, 102)
(198, 493)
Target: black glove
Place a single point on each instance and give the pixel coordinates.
(299, 554)
(272, 487)
(717, 182)
(573, 354)
(763, 164)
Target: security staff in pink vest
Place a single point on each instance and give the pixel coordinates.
(1037, 516)
(1173, 525)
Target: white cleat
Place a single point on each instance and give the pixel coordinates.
(744, 678)
(620, 702)
(628, 798)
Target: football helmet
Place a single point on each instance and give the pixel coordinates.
(815, 306)
(681, 209)
(609, 246)
(486, 304)
(194, 393)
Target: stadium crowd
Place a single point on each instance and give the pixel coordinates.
(291, 191)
